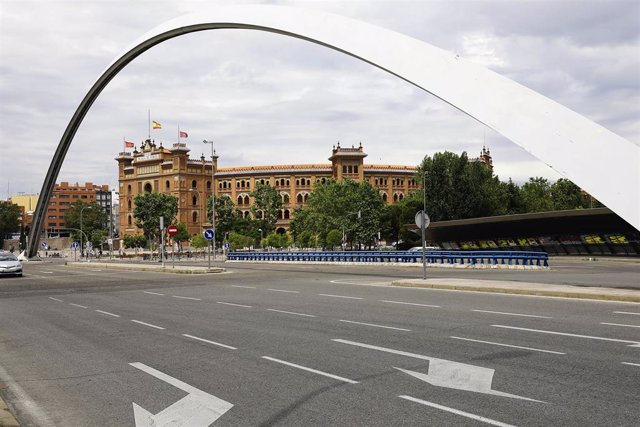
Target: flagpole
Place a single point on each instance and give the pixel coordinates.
(149, 123)
(124, 145)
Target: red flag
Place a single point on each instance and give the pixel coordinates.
(184, 135)
(129, 144)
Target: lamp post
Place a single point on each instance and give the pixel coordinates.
(81, 245)
(261, 245)
(213, 198)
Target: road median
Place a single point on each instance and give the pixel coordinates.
(523, 288)
(182, 269)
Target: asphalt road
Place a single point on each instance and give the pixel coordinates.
(313, 345)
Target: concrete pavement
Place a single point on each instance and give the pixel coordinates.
(168, 268)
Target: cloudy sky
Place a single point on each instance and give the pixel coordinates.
(269, 99)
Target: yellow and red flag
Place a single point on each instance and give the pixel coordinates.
(157, 125)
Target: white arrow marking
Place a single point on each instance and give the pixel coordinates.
(196, 409)
(445, 373)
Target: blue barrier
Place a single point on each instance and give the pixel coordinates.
(524, 258)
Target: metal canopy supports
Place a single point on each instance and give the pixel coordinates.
(571, 144)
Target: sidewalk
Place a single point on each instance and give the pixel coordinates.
(6, 419)
(523, 288)
(179, 269)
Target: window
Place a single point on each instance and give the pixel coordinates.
(167, 185)
(355, 169)
(194, 216)
(299, 198)
(129, 220)
(209, 185)
(350, 169)
(194, 200)
(194, 184)
(344, 168)
(240, 200)
(129, 204)
(129, 189)
(147, 188)
(287, 214)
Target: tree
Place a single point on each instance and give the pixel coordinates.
(266, 205)
(304, 239)
(566, 195)
(94, 221)
(228, 216)
(239, 241)
(198, 241)
(135, 241)
(149, 208)
(98, 237)
(536, 194)
(9, 219)
(182, 235)
(334, 238)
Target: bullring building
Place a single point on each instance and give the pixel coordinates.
(155, 168)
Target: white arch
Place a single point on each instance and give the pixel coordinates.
(566, 141)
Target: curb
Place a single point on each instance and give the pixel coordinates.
(6, 418)
(404, 264)
(522, 291)
(138, 267)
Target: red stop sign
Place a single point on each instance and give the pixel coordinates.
(172, 230)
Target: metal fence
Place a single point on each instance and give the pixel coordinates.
(472, 258)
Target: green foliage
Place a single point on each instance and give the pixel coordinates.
(267, 203)
(198, 241)
(239, 241)
(9, 219)
(277, 240)
(135, 241)
(304, 239)
(182, 235)
(566, 195)
(334, 238)
(94, 221)
(150, 207)
(536, 194)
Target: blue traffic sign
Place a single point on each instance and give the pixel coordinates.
(227, 245)
(208, 234)
(75, 245)
(44, 245)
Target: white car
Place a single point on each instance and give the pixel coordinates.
(427, 249)
(9, 265)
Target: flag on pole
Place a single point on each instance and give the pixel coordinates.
(157, 125)
(184, 134)
(129, 144)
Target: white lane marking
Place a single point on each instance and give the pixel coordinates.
(507, 345)
(45, 272)
(246, 287)
(235, 305)
(56, 299)
(107, 313)
(448, 374)
(95, 269)
(347, 282)
(24, 402)
(209, 342)
(456, 411)
(566, 334)
(631, 364)
(619, 324)
(626, 312)
(376, 326)
(284, 290)
(410, 303)
(153, 293)
(78, 305)
(191, 298)
(291, 312)
(304, 368)
(196, 409)
(148, 324)
(338, 296)
(512, 314)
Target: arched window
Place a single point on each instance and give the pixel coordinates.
(129, 189)
(308, 182)
(194, 184)
(240, 199)
(299, 199)
(287, 181)
(297, 183)
(209, 185)
(280, 214)
(287, 214)
(194, 216)
(167, 185)
(384, 197)
(285, 199)
(129, 220)
(194, 200)
(129, 204)
(246, 200)
(147, 187)
(395, 197)
(246, 214)
(401, 196)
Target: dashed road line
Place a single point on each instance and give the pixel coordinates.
(456, 411)
(290, 312)
(631, 364)
(284, 290)
(375, 325)
(209, 341)
(147, 324)
(245, 287)
(619, 324)
(233, 304)
(304, 368)
(153, 293)
(347, 282)
(338, 296)
(410, 303)
(566, 334)
(507, 345)
(627, 312)
(78, 305)
(512, 314)
(56, 299)
(108, 314)
(45, 272)
(191, 298)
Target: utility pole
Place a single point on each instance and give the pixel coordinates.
(213, 197)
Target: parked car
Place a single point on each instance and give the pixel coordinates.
(9, 265)
(427, 249)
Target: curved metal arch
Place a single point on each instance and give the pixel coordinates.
(566, 141)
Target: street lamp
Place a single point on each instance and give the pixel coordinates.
(81, 245)
(213, 197)
(260, 230)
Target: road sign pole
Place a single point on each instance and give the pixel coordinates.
(424, 249)
(209, 255)
(162, 240)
